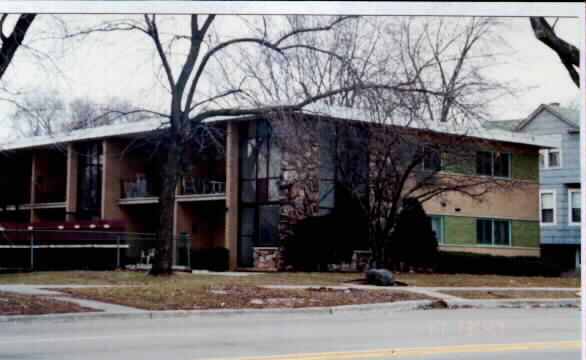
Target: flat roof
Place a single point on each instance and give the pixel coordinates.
(147, 126)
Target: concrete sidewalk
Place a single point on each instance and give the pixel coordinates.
(112, 311)
(56, 295)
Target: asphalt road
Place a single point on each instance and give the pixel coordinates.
(429, 335)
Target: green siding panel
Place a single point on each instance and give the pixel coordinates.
(525, 233)
(460, 230)
(525, 166)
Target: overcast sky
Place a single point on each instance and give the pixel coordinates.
(116, 66)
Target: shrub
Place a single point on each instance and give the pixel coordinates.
(213, 259)
(413, 241)
(457, 262)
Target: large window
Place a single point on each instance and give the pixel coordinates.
(260, 171)
(550, 159)
(547, 207)
(574, 206)
(493, 163)
(493, 232)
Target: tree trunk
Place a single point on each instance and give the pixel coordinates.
(163, 260)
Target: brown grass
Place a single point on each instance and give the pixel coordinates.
(171, 297)
(512, 294)
(16, 304)
(288, 278)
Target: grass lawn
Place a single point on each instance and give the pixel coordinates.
(515, 294)
(285, 278)
(16, 304)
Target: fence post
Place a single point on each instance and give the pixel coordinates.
(188, 249)
(118, 251)
(32, 240)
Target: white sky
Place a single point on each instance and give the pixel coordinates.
(112, 66)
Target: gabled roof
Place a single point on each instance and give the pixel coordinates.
(568, 116)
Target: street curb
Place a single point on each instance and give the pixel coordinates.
(330, 310)
(220, 313)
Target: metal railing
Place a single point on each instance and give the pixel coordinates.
(43, 249)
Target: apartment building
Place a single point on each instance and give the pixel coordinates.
(248, 197)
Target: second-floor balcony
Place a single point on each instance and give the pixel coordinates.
(139, 189)
(193, 188)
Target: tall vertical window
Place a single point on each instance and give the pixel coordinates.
(89, 197)
(574, 206)
(493, 232)
(260, 172)
(493, 163)
(547, 207)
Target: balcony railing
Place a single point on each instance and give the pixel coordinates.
(138, 187)
(191, 185)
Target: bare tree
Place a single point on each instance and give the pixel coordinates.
(569, 54)
(190, 62)
(12, 37)
(38, 113)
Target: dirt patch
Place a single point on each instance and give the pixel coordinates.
(512, 294)
(230, 297)
(17, 304)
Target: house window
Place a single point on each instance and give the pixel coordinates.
(493, 163)
(547, 206)
(493, 232)
(574, 206)
(550, 159)
(437, 225)
(431, 160)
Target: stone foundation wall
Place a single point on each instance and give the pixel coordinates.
(267, 258)
(299, 187)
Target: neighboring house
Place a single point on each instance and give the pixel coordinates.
(246, 200)
(559, 174)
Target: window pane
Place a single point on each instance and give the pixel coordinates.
(436, 226)
(431, 160)
(547, 201)
(245, 251)
(576, 215)
(248, 191)
(247, 221)
(575, 201)
(501, 164)
(262, 190)
(263, 157)
(483, 163)
(327, 150)
(484, 231)
(274, 194)
(547, 215)
(554, 158)
(501, 232)
(249, 160)
(326, 194)
(268, 225)
(275, 159)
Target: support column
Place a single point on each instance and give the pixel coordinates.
(232, 176)
(71, 184)
(112, 151)
(34, 174)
